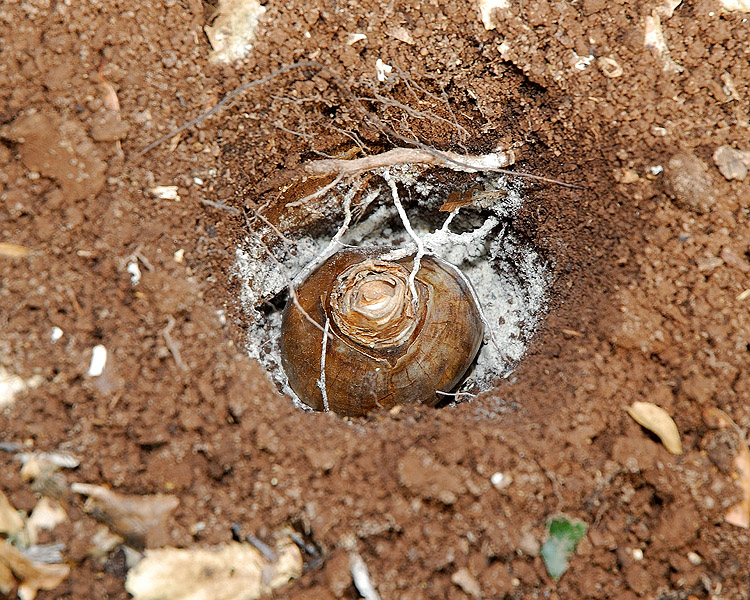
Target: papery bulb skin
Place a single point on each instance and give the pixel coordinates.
(384, 348)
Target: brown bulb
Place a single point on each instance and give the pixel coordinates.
(384, 348)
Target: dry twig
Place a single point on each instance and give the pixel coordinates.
(171, 344)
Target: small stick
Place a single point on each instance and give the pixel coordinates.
(171, 345)
(456, 395)
(361, 577)
(234, 93)
(220, 206)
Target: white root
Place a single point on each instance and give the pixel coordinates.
(332, 244)
(321, 191)
(442, 237)
(322, 380)
(289, 284)
(417, 240)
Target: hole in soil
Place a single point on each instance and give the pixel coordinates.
(286, 242)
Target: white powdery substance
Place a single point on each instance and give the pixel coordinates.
(509, 278)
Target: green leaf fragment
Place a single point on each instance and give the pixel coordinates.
(563, 537)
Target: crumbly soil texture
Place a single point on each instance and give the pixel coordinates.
(649, 264)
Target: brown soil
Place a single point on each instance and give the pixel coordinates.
(649, 265)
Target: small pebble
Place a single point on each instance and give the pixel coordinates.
(500, 480)
(466, 581)
(55, 335)
(98, 361)
(135, 272)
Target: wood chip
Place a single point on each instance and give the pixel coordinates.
(230, 572)
(13, 250)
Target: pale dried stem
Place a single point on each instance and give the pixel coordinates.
(401, 156)
(456, 395)
(172, 345)
(369, 118)
(220, 206)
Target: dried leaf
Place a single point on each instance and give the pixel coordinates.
(65, 460)
(111, 102)
(7, 581)
(657, 420)
(103, 542)
(33, 576)
(456, 200)
(715, 418)
(13, 250)
(141, 520)
(231, 572)
(739, 514)
(47, 515)
(10, 520)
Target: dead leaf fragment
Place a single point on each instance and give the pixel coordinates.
(402, 34)
(32, 576)
(141, 520)
(656, 419)
(7, 581)
(47, 515)
(456, 200)
(232, 32)
(739, 514)
(10, 520)
(231, 572)
(13, 250)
